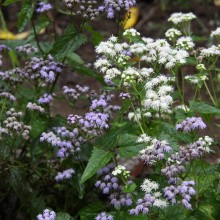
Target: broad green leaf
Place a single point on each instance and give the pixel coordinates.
(176, 212)
(9, 2)
(131, 151)
(91, 211)
(207, 210)
(96, 37)
(97, 161)
(63, 216)
(38, 127)
(130, 188)
(127, 139)
(4, 151)
(170, 139)
(25, 14)
(73, 58)
(67, 43)
(126, 216)
(204, 108)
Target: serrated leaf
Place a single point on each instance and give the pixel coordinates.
(97, 161)
(96, 37)
(130, 188)
(207, 210)
(25, 14)
(175, 212)
(9, 2)
(63, 216)
(203, 108)
(127, 139)
(37, 127)
(67, 43)
(131, 151)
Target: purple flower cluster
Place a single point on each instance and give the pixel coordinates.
(93, 123)
(185, 190)
(41, 69)
(113, 6)
(27, 49)
(43, 7)
(143, 205)
(8, 96)
(175, 166)
(66, 174)
(67, 142)
(124, 95)
(111, 185)
(155, 152)
(47, 215)
(75, 93)
(191, 124)
(45, 99)
(4, 48)
(87, 9)
(104, 216)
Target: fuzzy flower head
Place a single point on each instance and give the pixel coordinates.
(179, 17)
(172, 34)
(121, 170)
(185, 43)
(43, 7)
(191, 124)
(148, 186)
(197, 79)
(66, 174)
(216, 33)
(111, 7)
(104, 216)
(47, 215)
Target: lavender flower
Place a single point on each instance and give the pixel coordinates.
(47, 215)
(124, 95)
(112, 6)
(45, 99)
(28, 49)
(66, 174)
(75, 93)
(104, 216)
(43, 7)
(155, 152)
(191, 124)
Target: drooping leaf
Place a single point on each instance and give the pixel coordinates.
(25, 14)
(96, 37)
(91, 211)
(203, 108)
(67, 43)
(97, 161)
(63, 216)
(207, 210)
(9, 2)
(130, 188)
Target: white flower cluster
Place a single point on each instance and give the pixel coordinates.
(34, 107)
(121, 170)
(185, 43)
(215, 33)
(3, 131)
(200, 67)
(47, 215)
(148, 186)
(130, 33)
(210, 52)
(207, 142)
(144, 138)
(172, 33)
(197, 79)
(158, 94)
(161, 52)
(179, 17)
(13, 126)
(136, 116)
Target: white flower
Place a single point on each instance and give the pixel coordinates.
(160, 203)
(215, 33)
(210, 52)
(143, 138)
(185, 43)
(179, 17)
(131, 32)
(120, 170)
(172, 33)
(148, 186)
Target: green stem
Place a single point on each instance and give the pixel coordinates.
(207, 88)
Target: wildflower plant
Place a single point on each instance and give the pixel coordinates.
(73, 164)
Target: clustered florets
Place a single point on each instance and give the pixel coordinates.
(47, 215)
(66, 174)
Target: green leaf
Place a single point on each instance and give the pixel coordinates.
(131, 151)
(207, 210)
(96, 37)
(97, 161)
(91, 211)
(67, 43)
(25, 15)
(203, 108)
(176, 212)
(9, 2)
(37, 127)
(127, 139)
(63, 216)
(130, 188)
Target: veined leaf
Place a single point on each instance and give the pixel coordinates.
(25, 15)
(97, 161)
(203, 108)
(67, 43)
